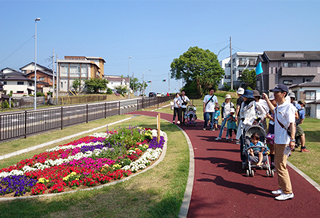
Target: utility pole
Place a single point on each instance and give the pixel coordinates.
(133, 82)
(58, 75)
(231, 67)
(169, 82)
(129, 74)
(53, 74)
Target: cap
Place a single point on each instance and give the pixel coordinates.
(292, 95)
(232, 110)
(240, 91)
(228, 96)
(256, 93)
(271, 97)
(280, 88)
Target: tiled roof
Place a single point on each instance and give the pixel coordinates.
(292, 55)
(309, 84)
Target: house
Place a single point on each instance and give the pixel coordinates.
(310, 93)
(240, 62)
(20, 85)
(115, 81)
(44, 75)
(288, 68)
(78, 67)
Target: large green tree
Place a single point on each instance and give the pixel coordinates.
(94, 85)
(249, 77)
(200, 66)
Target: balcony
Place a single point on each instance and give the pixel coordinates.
(299, 71)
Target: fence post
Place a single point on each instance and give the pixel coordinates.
(119, 109)
(25, 124)
(0, 127)
(137, 104)
(87, 114)
(61, 117)
(158, 101)
(105, 109)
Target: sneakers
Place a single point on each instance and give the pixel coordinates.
(278, 192)
(178, 122)
(213, 130)
(304, 150)
(218, 138)
(238, 142)
(284, 197)
(204, 128)
(173, 122)
(227, 137)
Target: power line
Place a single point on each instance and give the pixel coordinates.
(17, 49)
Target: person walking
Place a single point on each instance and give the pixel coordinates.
(270, 135)
(210, 101)
(240, 92)
(284, 121)
(176, 108)
(184, 100)
(225, 111)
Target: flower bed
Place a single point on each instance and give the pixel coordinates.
(86, 162)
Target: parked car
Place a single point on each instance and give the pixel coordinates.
(159, 94)
(152, 94)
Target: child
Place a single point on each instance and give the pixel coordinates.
(255, 137)
(231, 123)
(216, 118)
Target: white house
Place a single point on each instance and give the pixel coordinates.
(115, 81)
(310, 93)
(19, 85)
(240, 62)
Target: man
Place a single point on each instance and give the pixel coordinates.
(184, 100)
(239, 102)
(300, 115)
(210, 101)
(284, 120)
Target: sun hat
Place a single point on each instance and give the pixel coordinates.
(302, 102)
(248, 94)
(232, 110)
(280, 88)
(240, 91)
(271, 97)
(292, 95)
(256, 93)
(228, 96)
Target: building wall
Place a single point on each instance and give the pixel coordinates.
(46, 78)
(12, 86)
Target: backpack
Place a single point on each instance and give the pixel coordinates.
(298, 121)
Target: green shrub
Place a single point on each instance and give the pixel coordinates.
(39, 94)
(109, 91)
(5, 104)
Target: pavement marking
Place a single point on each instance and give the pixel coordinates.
(59, 140)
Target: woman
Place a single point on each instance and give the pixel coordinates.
(225, 111)
(176, 108)
(250, 114)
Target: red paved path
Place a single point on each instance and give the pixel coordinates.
(221, 188)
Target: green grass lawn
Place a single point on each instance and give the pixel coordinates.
(155, 193)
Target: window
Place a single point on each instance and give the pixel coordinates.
(20, 92)
(292, 64)
(74, 70)
(287, 82)
(64, 70)
(41, 78)
(240, 73)
(308, 80)
(61, 84)
(242, 62)
(84, 70)
(227, 65)
(271, 70)
(310, 95)
(20, 83)
(227, 77)
(30, 84)
(4, 82)
(252, 62)
(308, 64)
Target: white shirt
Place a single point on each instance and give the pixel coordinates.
(176, 102)
(211, 105)
(285, 113)
(186, 99)
(227, 108)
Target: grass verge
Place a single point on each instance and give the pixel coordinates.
(155, 193)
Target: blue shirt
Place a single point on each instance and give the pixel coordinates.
(300, 111)
(216, 114)
(259, 149)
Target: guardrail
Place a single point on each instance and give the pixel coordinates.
(22, 124)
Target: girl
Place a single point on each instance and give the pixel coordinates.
(231, 125)
(225, 111)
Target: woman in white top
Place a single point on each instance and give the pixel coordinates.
(176, 108)
(225, 111)
(184, 100)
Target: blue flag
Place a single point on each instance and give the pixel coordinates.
(259, 69)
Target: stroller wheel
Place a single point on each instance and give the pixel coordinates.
(252, 173)
(267, 173)
(248, 173)
(272, 173)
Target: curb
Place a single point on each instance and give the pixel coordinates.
(162, 156)
(58, 140)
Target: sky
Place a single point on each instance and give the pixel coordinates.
(153, 33)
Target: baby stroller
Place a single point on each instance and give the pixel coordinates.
(252, 160)
(191, 115)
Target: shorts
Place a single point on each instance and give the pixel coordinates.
(215, 121)
(299, 131)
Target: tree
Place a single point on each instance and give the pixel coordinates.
(76, 84)
(96, 84)
(134, 84)
(201, 66)
(121, 89)
(249, 77)
(141, 86)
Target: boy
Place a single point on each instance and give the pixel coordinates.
(216, 118)
(231, 123)
(255, 141)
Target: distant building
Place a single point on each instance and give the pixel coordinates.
(288, 68)
(115, 81)
(78, 67)
(240, 62)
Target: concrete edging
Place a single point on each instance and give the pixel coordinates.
(162, 156)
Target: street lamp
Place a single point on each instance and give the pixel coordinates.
(35, 62)
(129, 73)
(143, 81)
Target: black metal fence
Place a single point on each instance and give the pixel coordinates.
(22, 124)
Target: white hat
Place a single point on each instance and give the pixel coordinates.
(271, 97)
(228, 96)
(292, 95)
(232, 110)
(240, 91)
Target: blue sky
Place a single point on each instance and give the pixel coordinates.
(152, 32)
